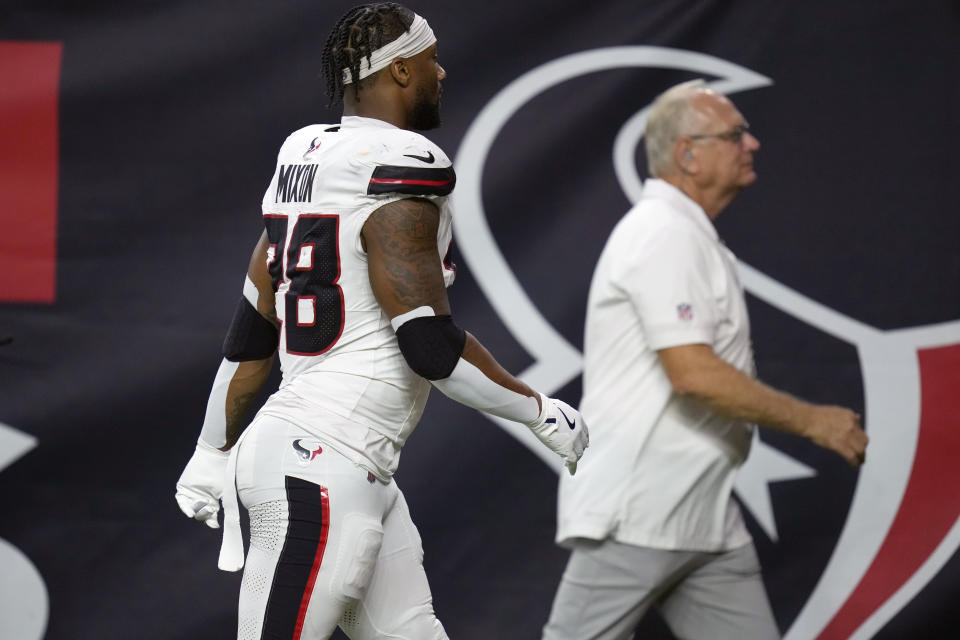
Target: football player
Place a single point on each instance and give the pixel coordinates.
(348, 283)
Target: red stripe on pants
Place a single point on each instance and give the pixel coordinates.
(317, 560)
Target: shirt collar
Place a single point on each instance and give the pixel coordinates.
(663, 190)
(355, 122)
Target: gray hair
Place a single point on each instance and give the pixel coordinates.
(672, 115)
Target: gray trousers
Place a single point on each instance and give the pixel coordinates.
(608, 586)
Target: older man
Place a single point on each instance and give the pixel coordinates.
(671, 398)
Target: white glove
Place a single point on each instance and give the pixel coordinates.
(562, 429)
(201, 484)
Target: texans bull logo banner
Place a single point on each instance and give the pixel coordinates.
(137, 142)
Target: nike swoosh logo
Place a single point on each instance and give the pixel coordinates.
(428, 159)
(569, 422)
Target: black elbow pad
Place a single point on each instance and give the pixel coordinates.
(251, 336)
(431, 345)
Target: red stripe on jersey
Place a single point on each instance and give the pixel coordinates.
(430, 183)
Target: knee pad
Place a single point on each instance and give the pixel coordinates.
(423, 625)
(360, 540)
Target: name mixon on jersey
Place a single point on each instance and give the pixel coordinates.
(295, 183)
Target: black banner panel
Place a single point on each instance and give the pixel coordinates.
(136, 142)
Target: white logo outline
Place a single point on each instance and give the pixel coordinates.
(24, 603)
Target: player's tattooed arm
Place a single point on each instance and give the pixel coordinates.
(405, 271)
(235, 387)
(244, 387)
(251, 375)
(401, 243)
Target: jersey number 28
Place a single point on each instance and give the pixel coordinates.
(313, 303)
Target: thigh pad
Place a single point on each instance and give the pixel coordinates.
(361, 537)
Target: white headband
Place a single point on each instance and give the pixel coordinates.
(414, 40)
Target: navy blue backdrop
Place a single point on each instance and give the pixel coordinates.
(138, 139)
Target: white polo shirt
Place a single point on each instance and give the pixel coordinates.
(660, 469)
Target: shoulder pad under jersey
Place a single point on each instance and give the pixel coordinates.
(409, 163)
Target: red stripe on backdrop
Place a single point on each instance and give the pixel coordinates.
(29, 159)
(930, 504)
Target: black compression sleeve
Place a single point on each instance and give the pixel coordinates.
(431, 345)
(251, 336)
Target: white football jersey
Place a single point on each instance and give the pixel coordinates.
(344, 378)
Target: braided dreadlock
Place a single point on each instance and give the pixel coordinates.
(360, 32)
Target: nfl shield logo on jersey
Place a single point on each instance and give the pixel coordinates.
(684, 311)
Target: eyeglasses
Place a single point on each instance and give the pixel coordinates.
(735, 135)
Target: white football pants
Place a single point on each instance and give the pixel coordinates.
(329, 545)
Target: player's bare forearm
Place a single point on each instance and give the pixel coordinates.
(696, 372)
(244, 387)
(477, 355)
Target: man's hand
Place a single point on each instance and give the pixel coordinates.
(201, 484)
(837, 429)
(562, 429)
